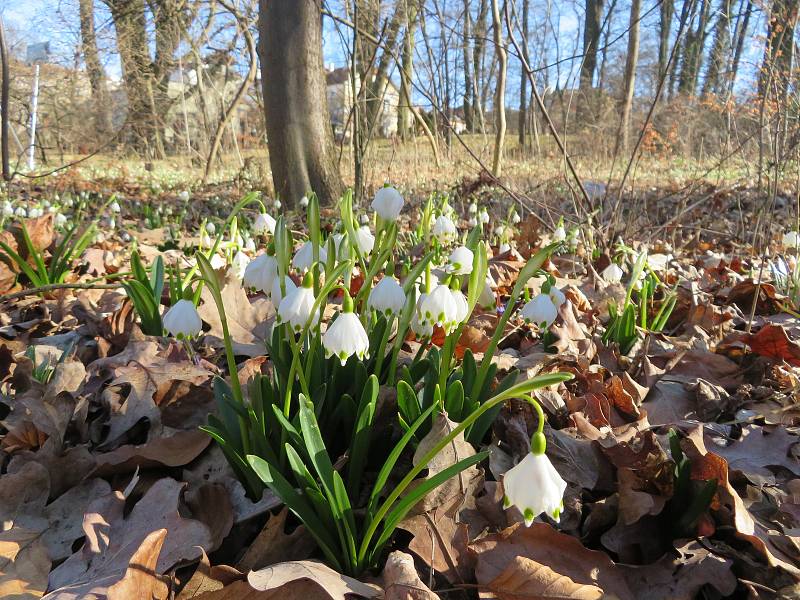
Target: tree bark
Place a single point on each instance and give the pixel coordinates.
(5, 83)
(742, 23)
(779, 52)
(714, 83)
(666, 11)
(137, 72)
(299, 135)
(500, 91)
(693, 51)
(630, 74)
(405, 117)
(94, 69)
(591, 41)
(523, 78)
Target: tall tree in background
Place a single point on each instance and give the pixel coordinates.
(666, 11)
(405, 117)
(500, 91)
(694, 42)
(719, 55)
(779, 52)
(591, 41)
(739, 35)
(147, 78)
(629, 82)
(299, 136)
(522, 126)
(94, 69)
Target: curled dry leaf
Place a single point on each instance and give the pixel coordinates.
(401, 581)
(525, 578)
(306, 579)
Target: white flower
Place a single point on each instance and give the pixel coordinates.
(612, 273)
(515, 218)
(364, 219)
(444, 230)
(264, 223)
(182, 319)
(218, 262)
(387, 203)
(8, 210)
(438, 308)
(462, 306)
(557, 296)
(346, 336)
(250, 245)
(422, 329)
(559, 235)
(183, 196)
(60, 220)
(115, 207)
(304, 257)
(35, 212)
(276, 204)
(540, 310)
(473, 222)
(504, 247)
(483, 216)
(275, 293)
(211, 228)
(342, 252)
(534, 487)
(304, 202)
(487, 298)
(387, 297)
(261, 273)
(499, 230)
(791, 239)
(239, 264)
(205, 240)
(473, 209)
(658, 262)
(365, 240)
(460, 261)
(296, 308)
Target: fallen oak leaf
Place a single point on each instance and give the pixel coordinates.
(141, 580)
(175, 450)
(562, 553)
(24, 564)
(310, 578)
(528, 579)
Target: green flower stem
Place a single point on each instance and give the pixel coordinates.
(530, 268)
(382, 348)
(513, 392)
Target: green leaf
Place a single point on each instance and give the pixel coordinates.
(359, 445)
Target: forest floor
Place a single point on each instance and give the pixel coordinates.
(680, 451)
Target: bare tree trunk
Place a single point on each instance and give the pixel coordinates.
(779, 51)
(523, 78)
(591, 41)
(666, 11)
(405, 117)
(630, 75)
(500, 91)
(299, 136)
(94, 69)
(720, 51)
(137, 72)
(478, 101)
(742, 23)
(693, 51)
(469, 117)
